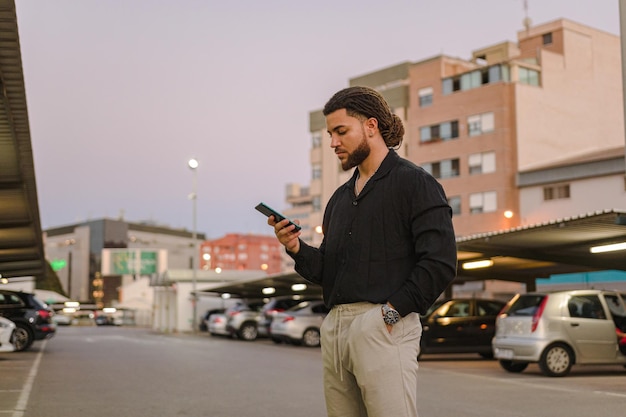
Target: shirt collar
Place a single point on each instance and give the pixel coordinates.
(390, 160)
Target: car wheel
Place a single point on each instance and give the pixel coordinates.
(311, 338)
(23, 337)
(513, 366)
(556, 360)
(247, 331)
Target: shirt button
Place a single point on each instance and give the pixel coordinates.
(354, 203)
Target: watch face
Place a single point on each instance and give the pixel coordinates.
(390, 316)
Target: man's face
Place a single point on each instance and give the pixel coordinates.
(347, 138)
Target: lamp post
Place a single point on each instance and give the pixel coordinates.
(69, 243)
(193, 164)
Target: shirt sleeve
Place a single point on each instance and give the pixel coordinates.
(309, 262)
(434, 245)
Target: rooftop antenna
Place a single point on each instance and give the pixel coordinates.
(526, 22)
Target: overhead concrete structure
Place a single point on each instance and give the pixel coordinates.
(559, 246)
(21, 245)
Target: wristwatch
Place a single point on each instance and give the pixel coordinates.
(390, 316)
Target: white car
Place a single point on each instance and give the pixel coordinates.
(7, 335)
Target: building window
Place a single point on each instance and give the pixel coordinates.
(480, 123)
(528, 76)
(547, 38)
(556, 192)
(316, 140)
(474, 79)
(425, 96)
(443, 131)
(316, 171)
(317, 203)
(482, 163)
(448, 168)
(455, 204)
(483, 202)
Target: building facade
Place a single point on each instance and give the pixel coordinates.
(94, 259)
(241, 252)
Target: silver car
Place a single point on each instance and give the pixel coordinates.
(560, 329)
(242, 319)
(300, 324)
(216, 324)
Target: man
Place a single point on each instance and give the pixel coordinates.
(388, 252)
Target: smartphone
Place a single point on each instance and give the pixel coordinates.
(268, 211)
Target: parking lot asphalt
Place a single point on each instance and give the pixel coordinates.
(93, 371)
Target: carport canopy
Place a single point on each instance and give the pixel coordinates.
(521, 254)
(537, 251)
(21, 245)
(281, 283)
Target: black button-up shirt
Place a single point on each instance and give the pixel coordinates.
(394, 242)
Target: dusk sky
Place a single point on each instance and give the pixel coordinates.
(122, 93)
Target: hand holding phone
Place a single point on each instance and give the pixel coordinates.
(268, 211)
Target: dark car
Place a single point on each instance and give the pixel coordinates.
(460, 325)
(277, 305)
(32, 317)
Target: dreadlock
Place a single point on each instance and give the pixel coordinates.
(367, 102)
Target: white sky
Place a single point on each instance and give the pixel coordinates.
(122, 93)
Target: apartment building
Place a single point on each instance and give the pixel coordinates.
(495, 129)
(240, 252)
(554, 95)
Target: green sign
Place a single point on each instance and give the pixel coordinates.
(58, 264)
(133, 262)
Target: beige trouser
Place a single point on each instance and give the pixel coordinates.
(369, 372)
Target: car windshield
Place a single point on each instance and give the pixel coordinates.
(525, 305)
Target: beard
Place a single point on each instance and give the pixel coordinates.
(358, 155)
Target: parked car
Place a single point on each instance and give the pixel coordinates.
(300, 324)
(277, 305)
(460, 325)
(204, 320)
(560, 329)
(61, 319)
(242, 319)
(32, 317)
(7, 335)
(103, 320)
(216, 324)
(84, 318)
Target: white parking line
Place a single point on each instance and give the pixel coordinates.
(548, 385)
(22, 401)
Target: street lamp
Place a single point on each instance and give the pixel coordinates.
(193, 164)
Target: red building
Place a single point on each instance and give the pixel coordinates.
(241, 252)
